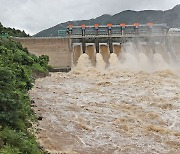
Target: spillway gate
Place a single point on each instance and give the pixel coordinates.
(149, 33)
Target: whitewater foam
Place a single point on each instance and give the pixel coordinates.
(132, 58)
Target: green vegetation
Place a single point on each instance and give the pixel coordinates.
(12, 32)
(18, 70)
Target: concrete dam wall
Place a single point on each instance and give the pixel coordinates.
(58, 50)
(64, 53)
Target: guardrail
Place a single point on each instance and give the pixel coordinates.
(109, 29)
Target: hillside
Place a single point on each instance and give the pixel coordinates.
(171, 17)
(12, 31)
(18, 69)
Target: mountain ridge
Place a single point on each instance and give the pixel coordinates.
(171, 17)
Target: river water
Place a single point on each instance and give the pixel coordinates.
(128, 103)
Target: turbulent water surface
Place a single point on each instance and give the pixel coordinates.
(128, 103)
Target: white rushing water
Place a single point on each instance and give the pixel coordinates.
(125, 104)
(131, 58)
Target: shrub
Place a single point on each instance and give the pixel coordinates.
(19, 141)
(17, 67)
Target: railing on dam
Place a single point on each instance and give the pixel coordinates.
(109, 30)
(115, 33)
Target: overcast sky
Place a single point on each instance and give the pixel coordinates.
(36, 15)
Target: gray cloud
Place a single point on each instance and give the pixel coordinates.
(36, 15)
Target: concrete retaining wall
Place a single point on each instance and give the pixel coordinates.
(57, 49)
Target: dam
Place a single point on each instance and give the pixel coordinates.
(111, 104)
(122, 94)
(65, 50)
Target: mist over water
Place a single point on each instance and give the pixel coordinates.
(129, 57)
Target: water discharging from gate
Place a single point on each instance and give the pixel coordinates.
(90, 51)
(104, 51)
(117, 49)
(124, 102)
(129, 56)
(77, 53)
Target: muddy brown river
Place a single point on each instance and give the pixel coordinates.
(117, 110)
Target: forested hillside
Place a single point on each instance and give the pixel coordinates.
(18, 70)
(12, 31)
